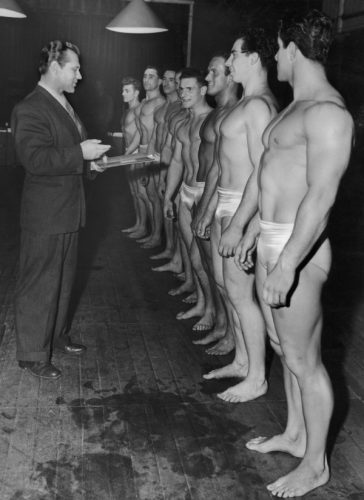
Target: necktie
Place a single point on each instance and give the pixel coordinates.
(75, 118)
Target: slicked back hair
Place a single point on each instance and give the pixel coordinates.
(129, 80)
(55, 50)
(194, 73)
(312, 33)
(259, 41)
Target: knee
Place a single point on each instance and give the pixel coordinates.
(295, 362)
(232, 292)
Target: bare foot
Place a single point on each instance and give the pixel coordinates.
(205, 323)
(152, 243)
(138, 234)
(300, 481)
(228, 371)
(190, 299)
(181, 276)
(216, 334)
(224, 346)
(166, 254)
(244, 391)
(280, 442)
(145, 239)
(130, 229)
(186, 287)
(202, 326)
(171, 266)
(191, 313)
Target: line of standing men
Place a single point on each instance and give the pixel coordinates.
(254, 189)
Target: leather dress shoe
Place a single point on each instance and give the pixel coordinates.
(72, 349)
(41, 369)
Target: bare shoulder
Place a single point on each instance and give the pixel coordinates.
(261, 104)
(328, 115)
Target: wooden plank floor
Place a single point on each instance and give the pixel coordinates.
(133, 418)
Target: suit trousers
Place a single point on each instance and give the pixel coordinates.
(47, 268)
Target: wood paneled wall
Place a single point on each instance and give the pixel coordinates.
(106, 56)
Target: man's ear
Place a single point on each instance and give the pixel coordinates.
(54, 68)
(203, 89)
(292, 50)
(254, 58)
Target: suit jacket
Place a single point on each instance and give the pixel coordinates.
(47, 144)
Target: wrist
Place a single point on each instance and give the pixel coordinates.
(287, 262)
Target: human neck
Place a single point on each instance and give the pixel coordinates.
(52, 85)
(200, 108)
(133, 103)
(307, 78)
(256, 84)
(150, 94)
(226, 98)
(172, 97)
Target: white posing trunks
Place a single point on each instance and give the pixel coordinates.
(227, 203)
(190, 195)
(274, 236)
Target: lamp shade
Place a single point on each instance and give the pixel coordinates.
(137, 17)
(9, 8)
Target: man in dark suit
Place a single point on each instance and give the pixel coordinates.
(51, 144)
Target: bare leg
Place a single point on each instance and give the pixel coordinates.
(221, 321)
(168, 252)
(306, 381)
(188, 285)
(184, 223)
(143, 203)
(226, 344)
(250, 337)
(154, 239)
(133, 191)
(168, 224)
(175, 265)
(208, 319)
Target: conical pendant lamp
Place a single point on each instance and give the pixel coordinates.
(9, 8)
(137, 17)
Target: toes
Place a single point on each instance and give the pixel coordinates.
(201, 327)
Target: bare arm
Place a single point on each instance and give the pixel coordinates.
(256, 122)
(329, 131)
(174, 176)
(207, 205)
(134, 143)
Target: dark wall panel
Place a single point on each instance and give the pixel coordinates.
(106, 56)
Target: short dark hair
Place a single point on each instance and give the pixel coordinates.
(173, 70)
(311, 32)
(129, 80)
(55, 51)
(194, 73)
(260, 41)
(223, 55)
(156, 68)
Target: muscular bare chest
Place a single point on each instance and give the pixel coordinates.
(232, 123)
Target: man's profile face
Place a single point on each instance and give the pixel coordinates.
(129, 93)
(191, 93)
(283, 66)
(216, 78)
(177, 81)
(238, 61)
(68, 74)
(169, 82)
(151, 80)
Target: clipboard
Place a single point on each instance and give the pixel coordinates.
(123, 160)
